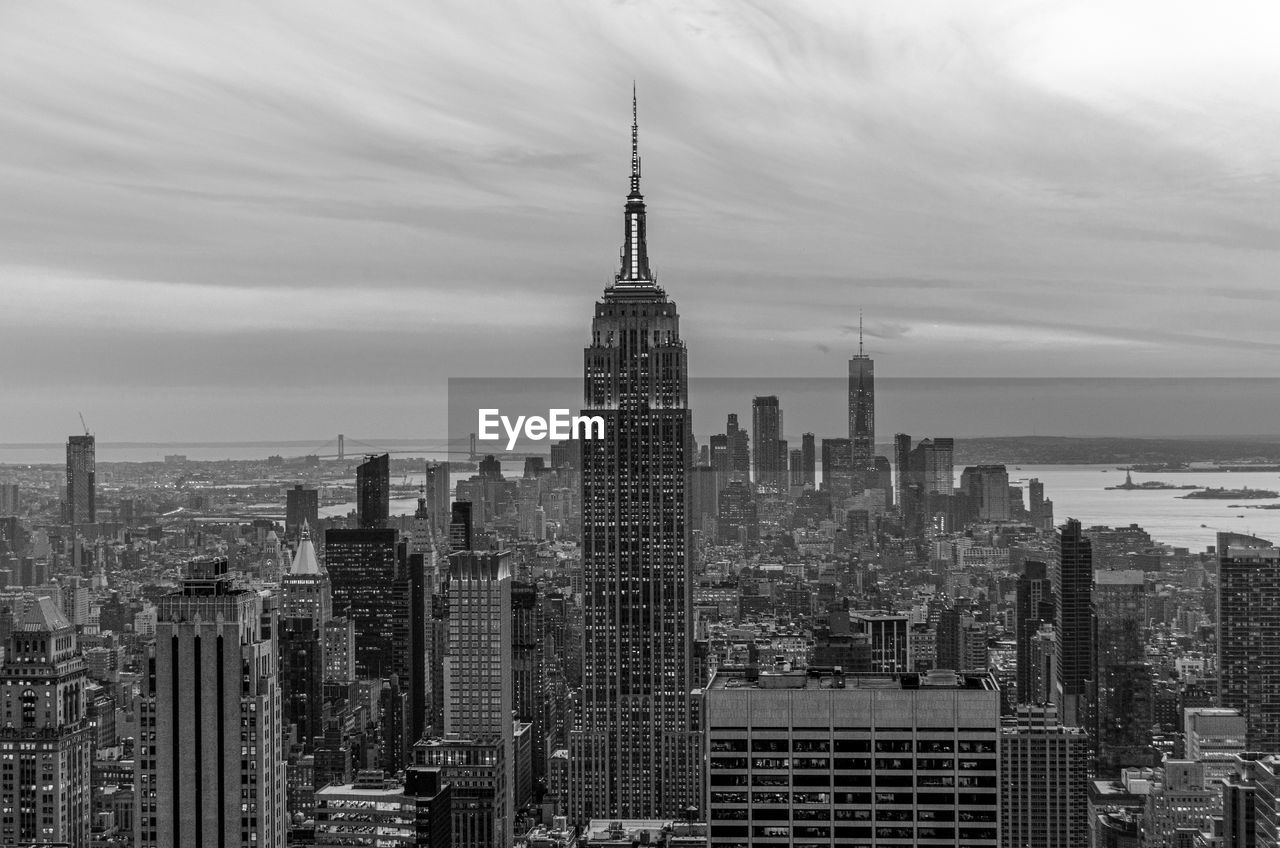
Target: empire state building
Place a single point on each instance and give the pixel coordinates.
(633, 753)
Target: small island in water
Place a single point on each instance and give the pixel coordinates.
(1150, 485)
(1245, 494)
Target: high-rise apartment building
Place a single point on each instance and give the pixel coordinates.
(838, 475)
(47, 739)
(819, 757)
(476, 752)
(808, 460)
(739, 444)
(373, 492)
(10, 502)
(1073, 603)
(634, 754)
(795, 465)
(373, 582)
(210, 769)
(461, 527)
(1034, 607)
(81, 504)
(862, 408)
(528, 670)
(1044, 769)
(736, 515)
(1249, 635)
(901, 461)
(768, 460)
(1125, 696)
(436, 489)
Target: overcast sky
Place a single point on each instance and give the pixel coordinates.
(268, 220)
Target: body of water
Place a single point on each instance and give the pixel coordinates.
(1079, 491)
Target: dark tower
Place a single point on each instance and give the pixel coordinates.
(768, 459)
(1034, 605)
(634, 755)
(373, 492)
(81, 486)
(1073, 597)
(1248, 625)
(808, 459)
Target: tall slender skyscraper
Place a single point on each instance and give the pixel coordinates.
(767, 457)
(1073, 600)
(373, 491)
(1125, 705)
(739, 450)
(634, 754)
(862, 408)
(1034, 607)
(808, 459)
(1249, 634)
(81, 503)
(476, 752)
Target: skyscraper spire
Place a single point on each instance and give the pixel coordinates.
(635, 257)
(860, 331)
(635, 144)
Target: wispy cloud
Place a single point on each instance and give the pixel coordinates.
(1000, 187)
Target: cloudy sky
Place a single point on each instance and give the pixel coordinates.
(270, 220)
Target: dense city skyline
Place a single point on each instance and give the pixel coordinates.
(206, 204)
(702, 613)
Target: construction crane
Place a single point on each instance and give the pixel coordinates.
(82, 424)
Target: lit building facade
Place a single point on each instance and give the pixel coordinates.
(633, 754)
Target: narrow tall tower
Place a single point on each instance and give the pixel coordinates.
(1248, 624)
(633, 754)
(81, 486)
(1073, 602)
(862, 408)
(476, 751)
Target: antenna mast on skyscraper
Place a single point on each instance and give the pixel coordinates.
(635, 141)
(859, 331)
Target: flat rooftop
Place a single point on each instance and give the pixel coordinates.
(819, 677)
